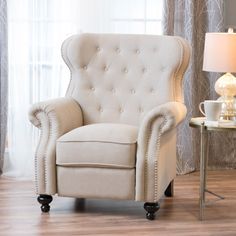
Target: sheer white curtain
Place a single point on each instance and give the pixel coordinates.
(37, 29)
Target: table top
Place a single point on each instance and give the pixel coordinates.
(197, 122)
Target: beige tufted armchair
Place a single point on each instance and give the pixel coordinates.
(113, 135)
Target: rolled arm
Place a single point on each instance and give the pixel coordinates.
(156, 153)
(54, 118)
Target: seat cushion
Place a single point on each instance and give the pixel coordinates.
(98, 145)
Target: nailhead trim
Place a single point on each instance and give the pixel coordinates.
(156, 161)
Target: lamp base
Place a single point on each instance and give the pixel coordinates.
(228, 112)
(226, 87)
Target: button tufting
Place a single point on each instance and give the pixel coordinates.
(125, 70)
(105, 68)
(140, 110)
(117, 50)
(151, 90)
(92, 88)
(132, 91)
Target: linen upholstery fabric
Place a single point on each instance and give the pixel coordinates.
(96, 183)
(155, 166)
(54, 118)
(98, 145)
(112, 74)
(119, 137)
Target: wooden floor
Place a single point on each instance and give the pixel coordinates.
(20, 213)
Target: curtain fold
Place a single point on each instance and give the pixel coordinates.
(3, 79)
(191, 20)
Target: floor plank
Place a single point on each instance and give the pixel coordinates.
(20, 213)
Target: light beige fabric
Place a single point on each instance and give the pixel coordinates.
(96, 182)
(54, 118)
(98, 145)
(116, 130)
(156, 161)
(119, 78)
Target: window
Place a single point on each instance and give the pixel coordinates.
(138, 16)
(37, 72)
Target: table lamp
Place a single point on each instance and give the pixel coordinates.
(220, 56)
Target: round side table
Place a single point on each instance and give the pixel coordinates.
(205, 127)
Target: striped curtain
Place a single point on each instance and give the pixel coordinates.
(192, 19)
(3, 79)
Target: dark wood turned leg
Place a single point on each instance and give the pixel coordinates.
(170, 189)
(45, 200)
(151, 208)
(80, 204)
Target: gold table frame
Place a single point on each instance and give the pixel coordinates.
(200, 123)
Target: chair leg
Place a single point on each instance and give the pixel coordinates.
(44, 200)
(151, 208)
(170, 189)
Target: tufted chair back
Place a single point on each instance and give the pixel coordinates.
(119, 78)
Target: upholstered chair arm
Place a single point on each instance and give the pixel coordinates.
(156, 151)
(54, 118)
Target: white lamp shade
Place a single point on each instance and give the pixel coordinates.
(220, 52)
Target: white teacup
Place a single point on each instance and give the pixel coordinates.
(212, 109)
